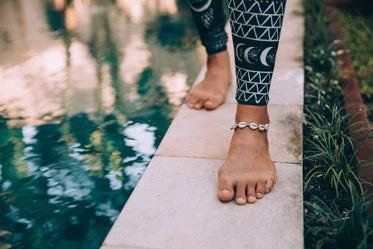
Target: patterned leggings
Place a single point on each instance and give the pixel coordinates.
(256, 26)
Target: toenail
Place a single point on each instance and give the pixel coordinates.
(241, 200)
(252, 199)
(259, 194)
(226, 192)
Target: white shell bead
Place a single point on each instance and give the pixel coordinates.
(242, 124)
(253, 126)
(261, 127)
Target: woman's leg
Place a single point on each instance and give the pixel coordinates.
(249, 170)
(210, 20)
(256, 26)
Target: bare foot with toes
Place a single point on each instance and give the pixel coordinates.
(248, 173)
(211, 92)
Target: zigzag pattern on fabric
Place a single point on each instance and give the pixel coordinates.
(252, 20)
(210, 19)
(256, 27)
(253, 85)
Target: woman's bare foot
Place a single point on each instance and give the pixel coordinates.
(212, 90)
(248, 170)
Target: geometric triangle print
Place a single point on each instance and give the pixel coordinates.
(240, 18)
(251, 33)
(258, 98)
(268, 22)
(262, 88)
(274, 34)
(270, 10)
(253, 20)
(255, 79)
(276, 21)
(241, 6)
(280, 9)
(263, 19)
(254, 8)
(264, 33)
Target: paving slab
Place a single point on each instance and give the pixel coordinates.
(207, 134)
(290, 54)
(287, 87)
(179, 209)
(293, 24)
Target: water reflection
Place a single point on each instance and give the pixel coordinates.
(87, 91)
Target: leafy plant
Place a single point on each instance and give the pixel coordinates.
(330, 227)
(331, 145)
(335, 205)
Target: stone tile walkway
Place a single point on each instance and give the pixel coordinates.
(175, 205)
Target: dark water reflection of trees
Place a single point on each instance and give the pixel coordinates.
(67, 171)
(66, 183)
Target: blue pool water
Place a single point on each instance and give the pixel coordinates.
(87, 91)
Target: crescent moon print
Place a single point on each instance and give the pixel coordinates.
(263, 56)
(238, 54)
(246, 54)
(202, 8)
(256, 24)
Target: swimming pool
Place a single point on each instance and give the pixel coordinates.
(87, 91)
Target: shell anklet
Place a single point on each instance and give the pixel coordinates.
(253, 126)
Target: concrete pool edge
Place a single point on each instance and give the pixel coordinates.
(175, 206)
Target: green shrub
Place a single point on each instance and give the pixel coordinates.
(335, 207)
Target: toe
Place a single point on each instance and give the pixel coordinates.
(210, 105)
(269, 185)
(226, 189)
(251, 195)
(214, 102)
(225, 194)
(191, 100)
(260, 188)
(188, 99)
(241, 193)
(198, 105)
(189, 104)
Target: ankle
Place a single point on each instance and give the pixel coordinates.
(252, 113)
(220, 59)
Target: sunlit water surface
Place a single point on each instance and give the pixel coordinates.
(87, 90)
